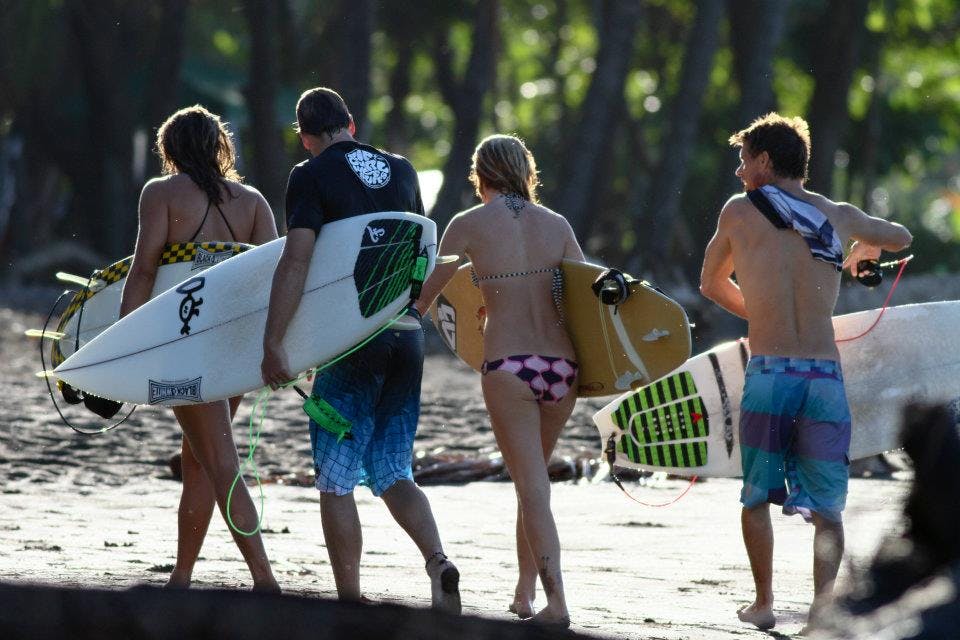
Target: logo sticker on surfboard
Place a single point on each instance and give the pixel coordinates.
(189, 304)
(204, 258)
(375, 233)
(447, 317)
(163, 390)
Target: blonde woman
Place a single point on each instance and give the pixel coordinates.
(199, 198)
(529, 377)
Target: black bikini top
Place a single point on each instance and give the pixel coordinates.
(233, 236)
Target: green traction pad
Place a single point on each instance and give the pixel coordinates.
(658, 422)
(676, 455)
(387, 257)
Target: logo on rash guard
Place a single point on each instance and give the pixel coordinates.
(372, 168)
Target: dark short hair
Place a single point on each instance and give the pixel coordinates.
(321, 111)
(786, 141)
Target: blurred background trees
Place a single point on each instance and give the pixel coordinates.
(627, 105)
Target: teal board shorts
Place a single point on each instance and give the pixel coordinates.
(378, 390)
(795, 436)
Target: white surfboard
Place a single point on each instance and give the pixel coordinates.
(97, 305)
(687, 422)
(202, 340)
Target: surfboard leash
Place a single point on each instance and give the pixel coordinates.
(876, 271)
(46, 376)
(417, 270)
(259, 413)
(611, 453)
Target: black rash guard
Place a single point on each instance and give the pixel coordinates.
(350, 179)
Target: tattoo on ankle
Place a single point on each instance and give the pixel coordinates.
(439, 557)
(546, 578)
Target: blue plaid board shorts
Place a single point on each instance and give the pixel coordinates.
(378, 390)
(795, 436)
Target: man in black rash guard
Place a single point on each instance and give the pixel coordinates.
(376, 388)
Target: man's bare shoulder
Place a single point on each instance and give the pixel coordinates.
(736, 210)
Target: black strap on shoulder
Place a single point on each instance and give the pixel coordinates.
(205, 214)
(233, 236)
(763, 204)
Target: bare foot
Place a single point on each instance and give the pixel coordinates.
(551, 618)
(444, 584)
(267, 587)
(761, 617)
(176, 581)
(522, 607)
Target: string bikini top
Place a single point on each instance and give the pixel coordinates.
(556, 283)
(233, 236)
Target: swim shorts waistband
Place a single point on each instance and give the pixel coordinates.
(781, 364)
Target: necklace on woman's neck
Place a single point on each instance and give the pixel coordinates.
(515, 202)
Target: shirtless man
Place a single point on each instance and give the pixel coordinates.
(786, 246)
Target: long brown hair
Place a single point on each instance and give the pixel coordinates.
(505, 164)
(195, 141)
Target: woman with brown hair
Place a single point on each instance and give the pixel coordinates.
(200, 198)
(529, 370)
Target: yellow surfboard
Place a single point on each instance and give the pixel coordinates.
(618, 347)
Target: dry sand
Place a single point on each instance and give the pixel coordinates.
(101, 511)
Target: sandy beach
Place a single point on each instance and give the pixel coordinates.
(101, 511)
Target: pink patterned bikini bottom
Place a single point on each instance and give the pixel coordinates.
(550, 379)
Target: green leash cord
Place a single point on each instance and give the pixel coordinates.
(260, 409)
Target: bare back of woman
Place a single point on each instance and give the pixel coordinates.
(529, 371)
(201, 200)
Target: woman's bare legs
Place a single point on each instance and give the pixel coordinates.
(197, 501)
(553, 417)
(516, 420)
(206, 428)
(526, 590)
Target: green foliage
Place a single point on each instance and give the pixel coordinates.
(903, 98)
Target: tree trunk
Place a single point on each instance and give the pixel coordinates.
(103, 182)
(166, 63)
(355, 51)
(591, 137)
(662, 222)
(756, 29)
(397, 133)
(835, 58)
(269, 170)
(466, 98)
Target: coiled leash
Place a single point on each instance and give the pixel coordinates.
(612, 288)
(869, 274)
(319, 410)
(104, 408)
